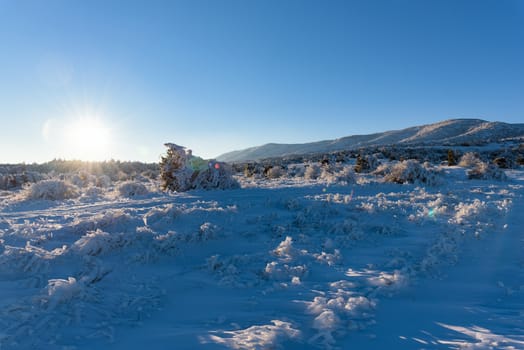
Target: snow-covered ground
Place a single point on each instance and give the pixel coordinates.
(275, 264)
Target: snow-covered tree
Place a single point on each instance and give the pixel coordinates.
(174, 171)
(366, 163)
(181, 171)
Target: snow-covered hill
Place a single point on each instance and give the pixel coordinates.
(449, 132)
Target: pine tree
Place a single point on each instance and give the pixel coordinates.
(451, 158)
(362, 164)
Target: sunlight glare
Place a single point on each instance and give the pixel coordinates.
(88, 139)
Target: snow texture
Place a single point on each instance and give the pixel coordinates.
(409, 256)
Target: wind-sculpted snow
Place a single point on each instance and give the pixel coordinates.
(273, 266)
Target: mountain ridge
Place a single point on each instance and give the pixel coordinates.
(448, 132)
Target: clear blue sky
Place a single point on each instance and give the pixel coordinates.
(221, 75)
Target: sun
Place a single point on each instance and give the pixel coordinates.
(88, 139)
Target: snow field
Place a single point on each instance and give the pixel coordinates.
(268, 266)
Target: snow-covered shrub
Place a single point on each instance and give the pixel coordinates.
(296, 170)
(334, 174)
(465, 212)
(312, 172)
(382, 170)
(111, 220)
(82, 179)
(485, 171)
(279, 271)
(366, 163)
(181, 171)
(16, 180)
(27, 259)
(218, 175)
(162, 216)
(469, 160)
(249, 170)
(274, 172)
(285, 250)
(52, 190)
(411, 171)
(97, 243)
(337, 312)
(93, 192)
(131, 189)
(103, 181)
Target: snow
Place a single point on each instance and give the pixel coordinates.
(319, 263)
(454, 132)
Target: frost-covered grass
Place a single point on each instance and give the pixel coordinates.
(292, 262)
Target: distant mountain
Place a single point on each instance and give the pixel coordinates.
(448, 132)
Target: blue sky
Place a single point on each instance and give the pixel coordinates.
(220, 75)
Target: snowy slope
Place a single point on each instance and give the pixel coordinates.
(452, 132)
(275, 265)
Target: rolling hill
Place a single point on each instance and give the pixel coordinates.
(448, 132)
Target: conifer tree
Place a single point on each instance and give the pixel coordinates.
(451, 158)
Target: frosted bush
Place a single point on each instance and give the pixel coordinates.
(160, 217)
(338, 312)
(284, 272)
(312, 172)
(296, 170)
(181, 171)
(469, 160)
(93, 192)
(103, 181)
(132, 189)
(9, 181)
(109, 220)
(285, 250)
(465, 212)
(275, 172)
(411, 171)
(82, 179)
(28, 259)
(173, 240)
(218, 175)
(329, 259)
(366, 163)
(382, 170)
(52, 190)
(485, 171)
(333, 174)
(97, 243)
